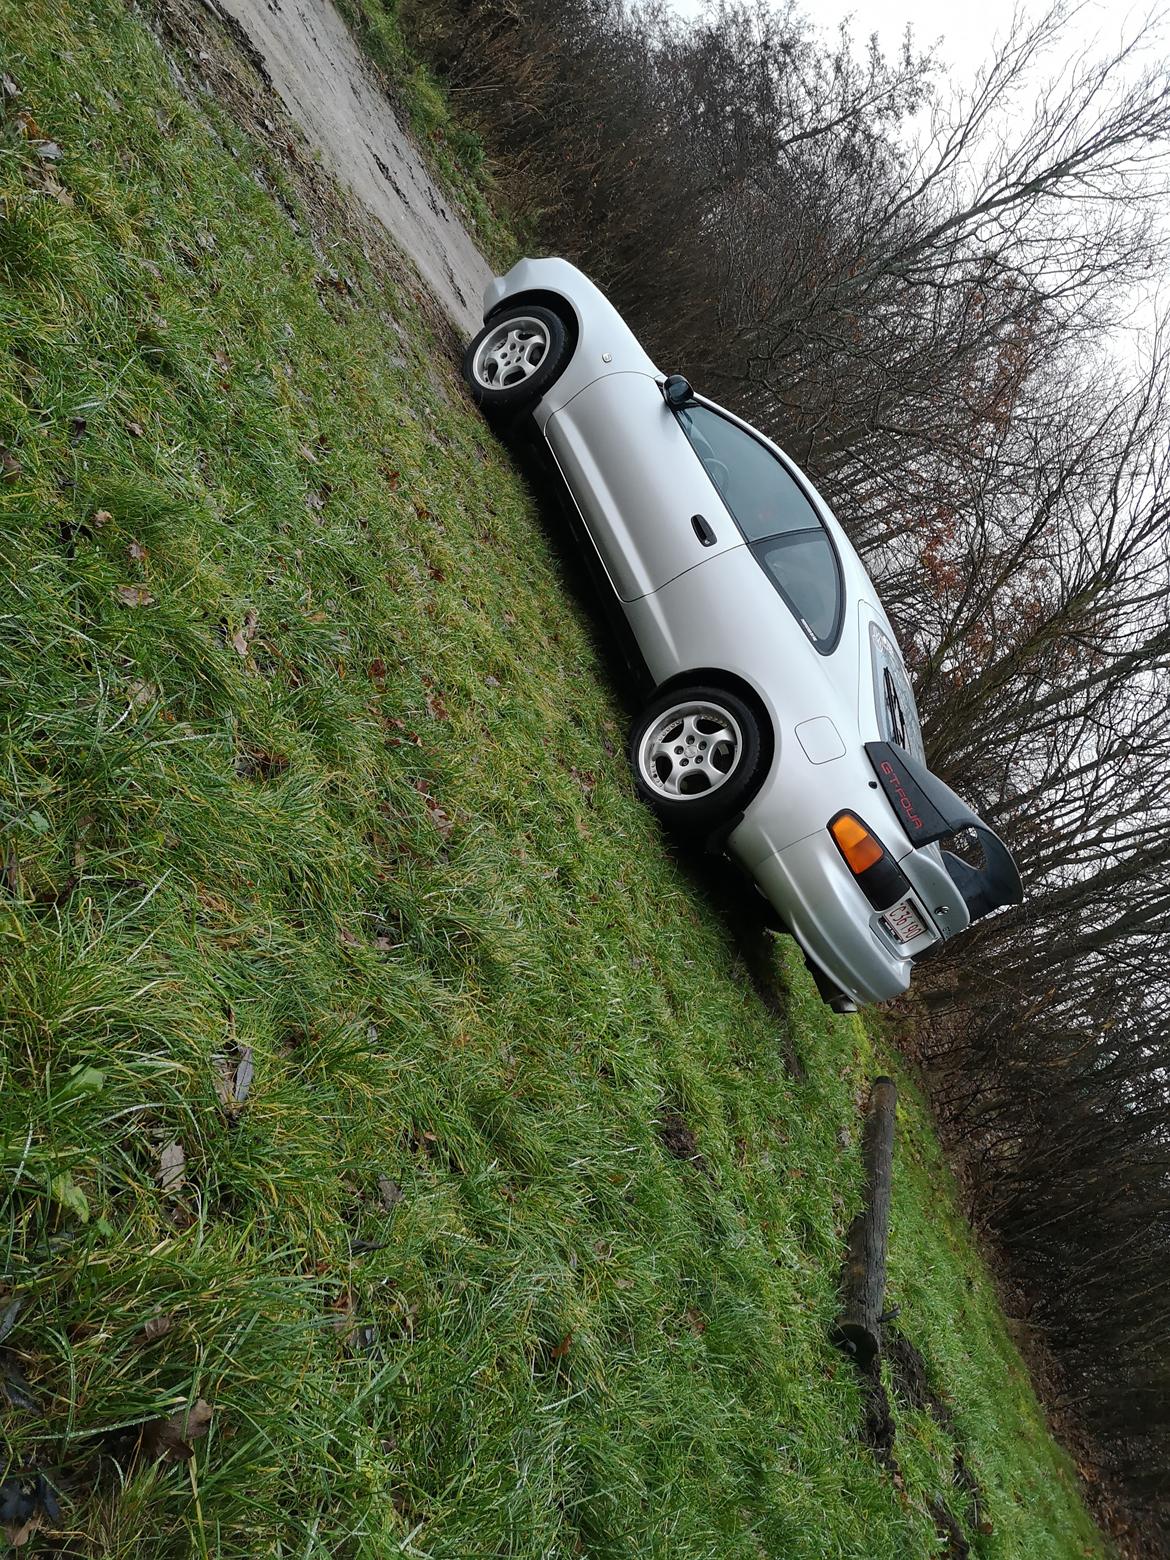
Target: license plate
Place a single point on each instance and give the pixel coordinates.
(903, 922)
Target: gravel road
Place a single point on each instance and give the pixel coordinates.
(329, 89)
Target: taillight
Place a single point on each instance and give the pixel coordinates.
(878, 875)
(855, 842)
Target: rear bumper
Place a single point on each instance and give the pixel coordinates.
(815, 893)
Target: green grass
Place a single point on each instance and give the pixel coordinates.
(306, 754)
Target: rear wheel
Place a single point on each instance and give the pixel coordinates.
(516, 357)
(696, 755)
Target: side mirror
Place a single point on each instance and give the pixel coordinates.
(677, 392)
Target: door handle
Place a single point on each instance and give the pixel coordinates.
(703, 531)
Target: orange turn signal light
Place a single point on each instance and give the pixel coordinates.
(855, 842)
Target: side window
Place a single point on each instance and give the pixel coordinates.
(897, 712)
(803, 567)
(764, 499)
(777, 519)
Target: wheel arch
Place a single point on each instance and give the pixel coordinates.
(543, 298)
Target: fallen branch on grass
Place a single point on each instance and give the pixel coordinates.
(858, 1327)
(863, 1278)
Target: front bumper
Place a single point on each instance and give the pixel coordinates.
(495, 292)
(819, 901)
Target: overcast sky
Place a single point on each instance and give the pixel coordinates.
(966, 32)
(965, 29)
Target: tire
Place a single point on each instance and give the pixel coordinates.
(696, 754)
(514, 359)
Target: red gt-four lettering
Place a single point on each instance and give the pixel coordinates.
(904, 801)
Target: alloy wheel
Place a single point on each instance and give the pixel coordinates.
(511, 353)
(689, 751)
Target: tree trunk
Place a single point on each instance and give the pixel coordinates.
(863, 1278)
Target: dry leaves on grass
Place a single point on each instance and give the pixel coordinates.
(9, 465)
(389, 1193)
(134, 595)
(244, 635)
(157, 1327)
(256, 763)
(357, 1337)
(9, 1314)
(436, 706)
(244, 1071)
(171, 1437)
(41, 145)
(28, 1503)
(342, 1318)
(233, 1078)
(586, 779)
(51, 186)
(438, 815)
(172, 1168)
(395, 724)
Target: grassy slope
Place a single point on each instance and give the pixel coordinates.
(392, 848)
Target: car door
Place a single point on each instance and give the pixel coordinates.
(644, 492)
(774, 512)
(773, 611)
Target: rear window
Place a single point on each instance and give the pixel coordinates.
(897, 712)
(803, 568)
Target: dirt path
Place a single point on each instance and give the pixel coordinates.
(318, 71)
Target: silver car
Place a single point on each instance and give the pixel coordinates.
(782, 727)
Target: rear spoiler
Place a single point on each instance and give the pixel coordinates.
(929, 810)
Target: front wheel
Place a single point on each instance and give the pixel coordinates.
(696, 755)
(515, 358)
